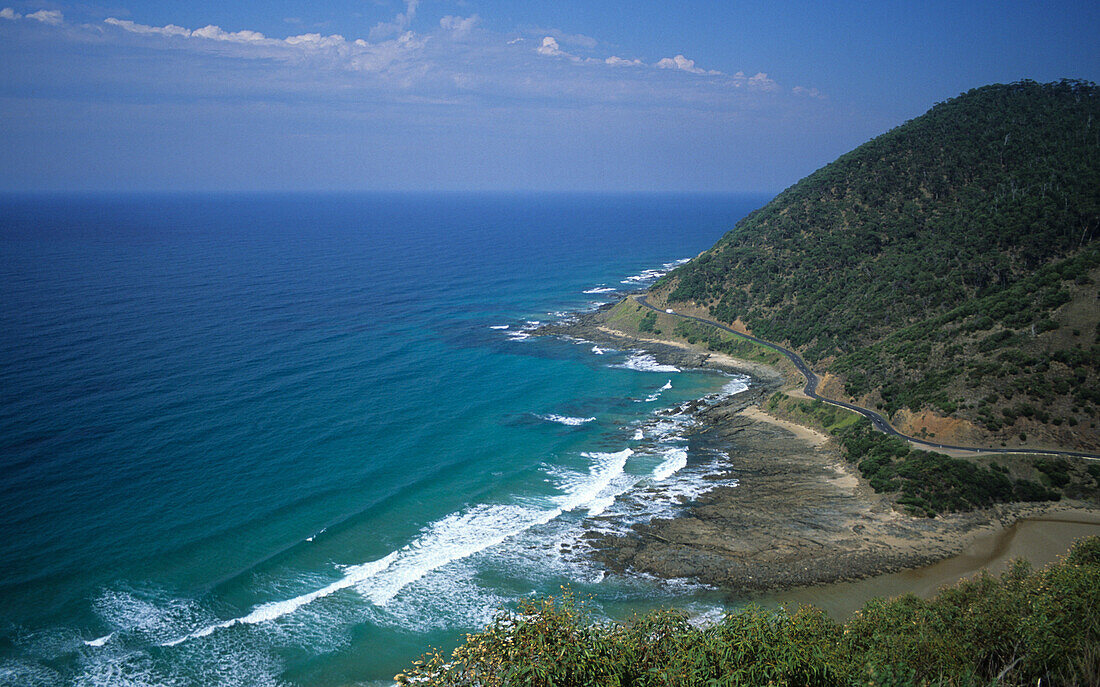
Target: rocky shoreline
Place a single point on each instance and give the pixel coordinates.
(799, 515)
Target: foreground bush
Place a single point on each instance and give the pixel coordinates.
(1024, 628)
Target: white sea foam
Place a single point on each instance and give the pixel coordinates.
(228, 660)
(670, 428)
(671, 484)
(451, 538)
(276, 609)
(644, 362)
(639, 435)
(644, 276)
(598, 351)
(587, 491)
(601, 503)
(153, 616)
(657, 394)
(566, 420)
(656, 273)
(599, 289)
(442, 600)
(524, 332)
(499, 326)
(675, 460)
(454, 537)
(736, 385)
(100, 641)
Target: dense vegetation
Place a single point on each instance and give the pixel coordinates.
(648, 323)
(926, 483)
(948, 265)
(1024, 628)
(929, 483)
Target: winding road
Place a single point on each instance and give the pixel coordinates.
(878, 421)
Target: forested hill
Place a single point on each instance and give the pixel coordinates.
(946, 268)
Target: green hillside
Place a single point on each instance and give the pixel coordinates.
(947, 268)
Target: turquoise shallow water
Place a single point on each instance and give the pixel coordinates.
(253, 440)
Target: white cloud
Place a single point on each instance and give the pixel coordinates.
(430, 68)
(215, 33)
(168, 30)
(459, 25)
(616, 61)
(808, 92)
(316, 40)
(549, 47)
(683, 64)
(52, 17)
(762, 82)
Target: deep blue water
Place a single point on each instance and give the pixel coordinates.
(254, 440)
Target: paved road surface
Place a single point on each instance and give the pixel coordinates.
(880, 423)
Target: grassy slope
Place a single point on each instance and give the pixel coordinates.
(947, 269)
(634, 319)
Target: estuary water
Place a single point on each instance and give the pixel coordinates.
(297, 439)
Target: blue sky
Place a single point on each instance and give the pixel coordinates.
(491, 95)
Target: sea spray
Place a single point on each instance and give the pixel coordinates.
(566, 420)
(644, 362)
(675, 460)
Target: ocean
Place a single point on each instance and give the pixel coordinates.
(298, 439)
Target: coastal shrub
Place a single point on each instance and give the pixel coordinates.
(1025, 627)
(1056, 470)
(724, 342)
(929, 483)
(556, 641)
(761, 647)
(824, 416)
